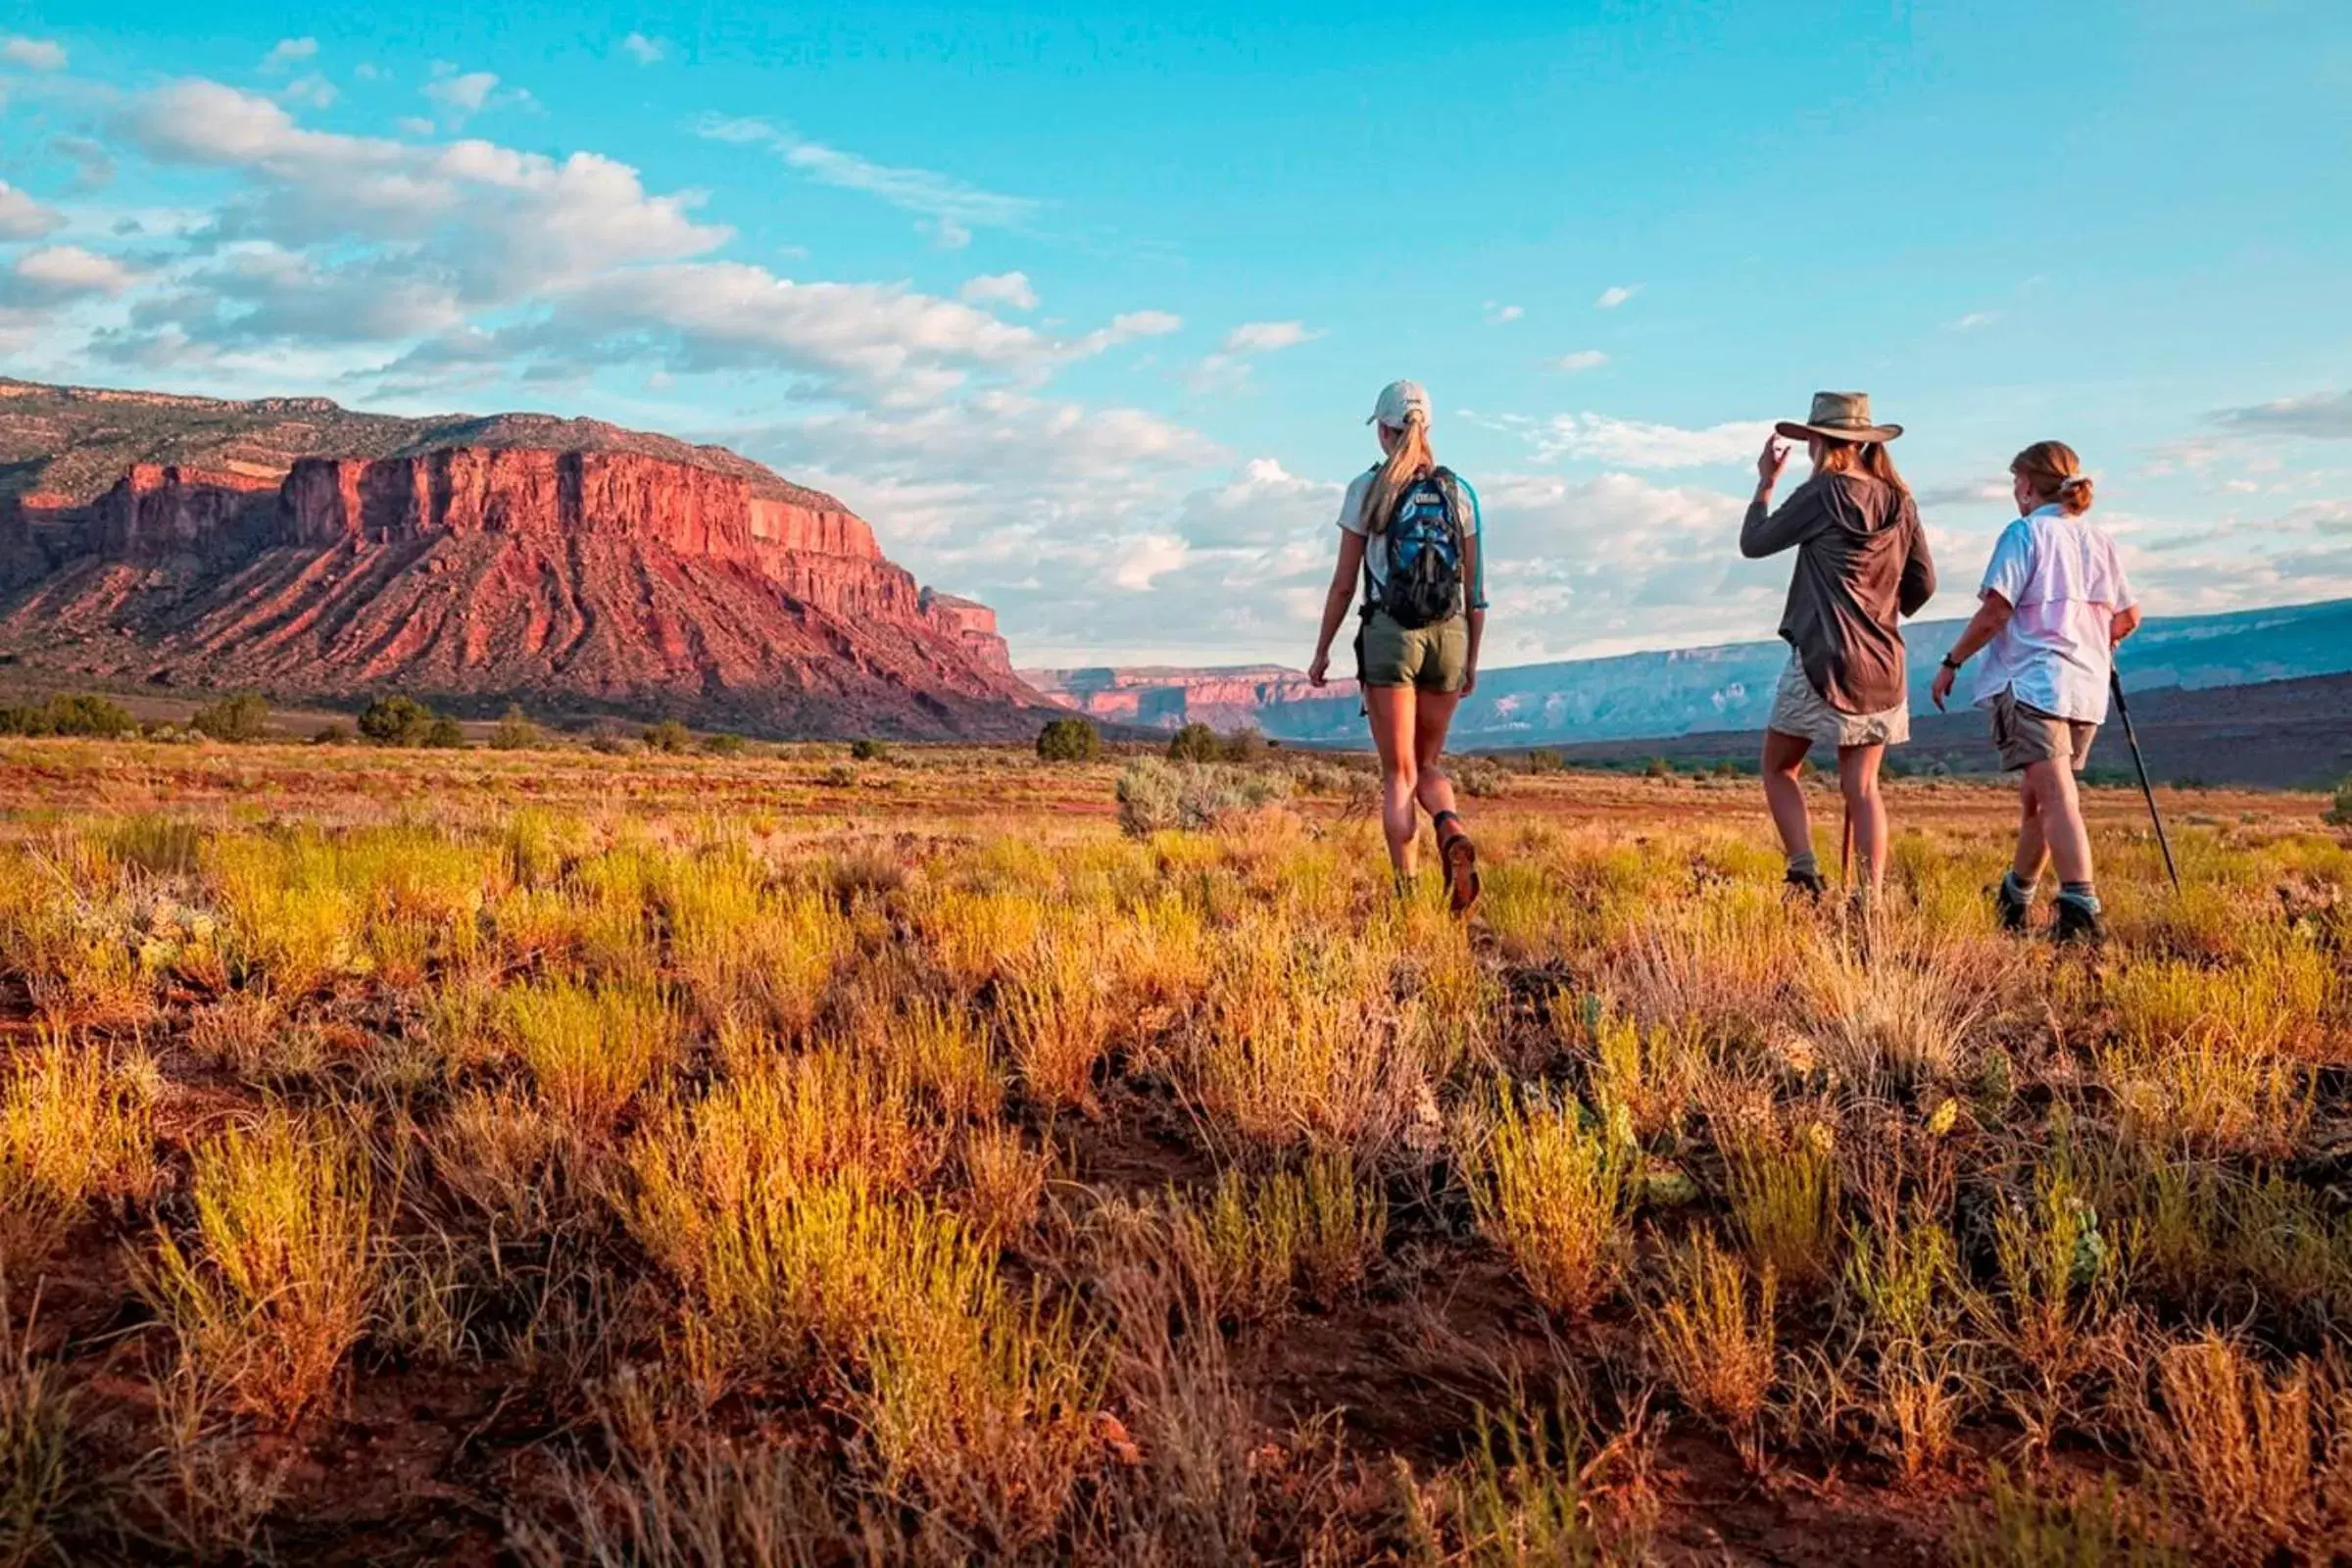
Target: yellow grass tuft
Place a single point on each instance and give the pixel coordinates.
(591, 1048)
(271, 1289)
(1551, 1187)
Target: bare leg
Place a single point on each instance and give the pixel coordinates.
(1433, 715)
(1865, 810)
(2060, 811)
(2032, 842)
(1391, 712)
(1783, 795)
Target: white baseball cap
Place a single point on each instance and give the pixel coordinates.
(1396, 400)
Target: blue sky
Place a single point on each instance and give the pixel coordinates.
(1086, 315)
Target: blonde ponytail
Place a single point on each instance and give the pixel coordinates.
(1410, 461)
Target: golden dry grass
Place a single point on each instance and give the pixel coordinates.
(699, 1161)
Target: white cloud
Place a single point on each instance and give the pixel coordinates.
(1963, 493)
(1228, 368)
(644, 50)
(1147, 557)
(1635, 444)
(460, 95)
(1616, 294)
(33, 54)
(468, 258)
(463, 92)
(945, 232)
(1266, 337)
(310, 90)
(94, 166)
(498, 223)
(2325, 415)
(1974, 319)
(22, 218)
(287, 52)
(1580, 360)
(1126, 328)
(1010, 289)
(1502, 315)
(65, 271)
(952, 208)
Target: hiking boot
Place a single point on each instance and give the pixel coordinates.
(2014, 913)
(1812, 884)
(2078, 922)
(1460, 859)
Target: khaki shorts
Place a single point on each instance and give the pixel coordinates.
(1799, 710)
(1432, 659)
(2024, 734)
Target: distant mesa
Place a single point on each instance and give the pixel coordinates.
(293, 547)
(1726, 688)
(1226, 697)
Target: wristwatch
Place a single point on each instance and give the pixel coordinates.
(1951, 663)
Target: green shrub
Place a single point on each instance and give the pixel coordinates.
(332, 735)
(1068, 740)
(1194, 743)
(69, 715)
(444, 735)
(2339, 811)
(396, 721)
(1544, 763)
(670, 737)
(723, 745)
(606, 743)
(514, 731)
(1155, 796)
(242, 718)
(1479, 777)
(868, 750)
(1197, 742)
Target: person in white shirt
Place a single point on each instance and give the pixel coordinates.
(1409, 528)
(2055, 604)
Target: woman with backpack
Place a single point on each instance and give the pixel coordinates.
(2055, 604)
(1861, 565)
(1409, 528)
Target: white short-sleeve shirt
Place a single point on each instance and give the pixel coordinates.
(2065, 581)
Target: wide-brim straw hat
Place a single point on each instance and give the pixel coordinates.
(1838, 417)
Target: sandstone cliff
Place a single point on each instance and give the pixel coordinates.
(629, 574)
(1244, 697)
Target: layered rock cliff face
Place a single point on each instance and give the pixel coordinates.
(626, 575)
(1247, 697)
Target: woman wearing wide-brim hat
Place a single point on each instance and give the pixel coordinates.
(1862, 564)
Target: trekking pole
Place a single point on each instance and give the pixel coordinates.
(2115, 684)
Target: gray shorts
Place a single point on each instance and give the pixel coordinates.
(2025, 735)
(1799, 710)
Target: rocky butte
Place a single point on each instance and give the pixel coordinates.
(295, 548)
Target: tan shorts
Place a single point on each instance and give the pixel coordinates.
(1801, 711)
(2025, 735)
(1432, 659)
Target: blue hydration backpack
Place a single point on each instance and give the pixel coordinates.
(1424, 542)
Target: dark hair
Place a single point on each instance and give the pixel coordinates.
(2056, 474)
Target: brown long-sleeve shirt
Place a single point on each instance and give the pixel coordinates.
(1861, 564)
